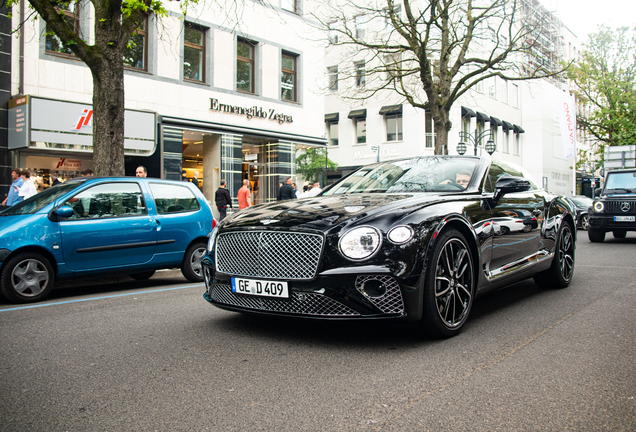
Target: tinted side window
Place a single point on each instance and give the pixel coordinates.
(173, 199)
(108, 200)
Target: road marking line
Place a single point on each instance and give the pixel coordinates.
(101, 298)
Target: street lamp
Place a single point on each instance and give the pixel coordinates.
(475, 140)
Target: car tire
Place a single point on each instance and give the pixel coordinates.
(596, 236)
(449, 285)
(619, 234)
(585, 222)
(560, 273)
(27, 278)
(142, 275)
(191, 267)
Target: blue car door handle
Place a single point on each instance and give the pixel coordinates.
(158, 225)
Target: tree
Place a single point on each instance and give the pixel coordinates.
(432, 55)
(311, 164)
(115, 21)
(605, 78)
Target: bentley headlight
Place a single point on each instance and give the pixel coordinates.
(598, 206)
(212, 239)
(360, 243)
(400, 234)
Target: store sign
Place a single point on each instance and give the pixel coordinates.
(18, 122)
(59, 164)
(251, 112)
(68, 123)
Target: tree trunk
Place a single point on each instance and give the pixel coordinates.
(108, 122)
(442, 127)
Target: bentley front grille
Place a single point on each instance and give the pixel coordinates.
(269, 254)
(299, 303)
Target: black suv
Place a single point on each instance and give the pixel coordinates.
(615, 207)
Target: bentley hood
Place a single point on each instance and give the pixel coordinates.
(324, 212)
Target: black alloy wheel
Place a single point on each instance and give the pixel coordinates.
(560, 273)
(27, 278)
(449, 285)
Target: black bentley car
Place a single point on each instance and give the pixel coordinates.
(399, 239)
(614, 209)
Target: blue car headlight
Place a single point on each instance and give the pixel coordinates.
(360, 243)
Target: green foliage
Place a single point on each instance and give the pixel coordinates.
(606, 86)
(311, 164)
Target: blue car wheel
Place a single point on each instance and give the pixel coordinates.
(27, 278)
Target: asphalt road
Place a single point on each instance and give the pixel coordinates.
(154, 356)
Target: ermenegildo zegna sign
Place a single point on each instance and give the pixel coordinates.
(250, 112)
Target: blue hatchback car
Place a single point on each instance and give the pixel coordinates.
(102, 225)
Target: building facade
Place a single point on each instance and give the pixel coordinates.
(523, 116)
(203, 97)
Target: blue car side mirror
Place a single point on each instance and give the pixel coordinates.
(60, 213)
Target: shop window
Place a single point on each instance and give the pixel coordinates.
(194, 53)
(135, 53)
(394, 127)
(288, 82)
(332, 76)
(173, 199)
(245, 66)
(333, 133)
(70, 13)
(360, 74)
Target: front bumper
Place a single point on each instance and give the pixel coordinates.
(606, 223)
(333, 296)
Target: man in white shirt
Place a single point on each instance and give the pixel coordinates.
(315, 190)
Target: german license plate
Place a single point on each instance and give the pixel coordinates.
(624, 218)
(263, 288)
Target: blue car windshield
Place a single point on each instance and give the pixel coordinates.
(426, 174)
(40, 200)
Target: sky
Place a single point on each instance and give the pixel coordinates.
(583, 16)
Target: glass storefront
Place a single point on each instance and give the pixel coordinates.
(212, 156)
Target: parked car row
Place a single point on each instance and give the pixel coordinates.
(97, 226)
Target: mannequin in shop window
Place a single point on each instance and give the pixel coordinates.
(195, 180)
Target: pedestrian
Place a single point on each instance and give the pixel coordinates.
(223, 200)
(88, 172)
(244, 196)
(141, 171)
(287, 191)
(184, 175)
(27, 190)
(280, 186)
(13, 197)
(55, 179)
(315, 190)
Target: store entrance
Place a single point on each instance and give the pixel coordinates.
(255, 169)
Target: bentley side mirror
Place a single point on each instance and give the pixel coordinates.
(510, 184)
